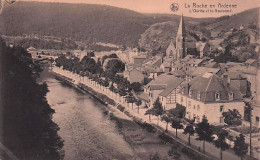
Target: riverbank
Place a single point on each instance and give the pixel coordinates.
(142, 142)
(157, 134)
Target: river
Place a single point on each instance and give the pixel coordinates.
(86, 131)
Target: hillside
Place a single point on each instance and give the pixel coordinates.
(214, 30)
(100, 23)
(82, 22)
(228, 22)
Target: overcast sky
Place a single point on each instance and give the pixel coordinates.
(163, 6)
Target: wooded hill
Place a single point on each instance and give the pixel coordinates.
(101, 23)
(91, 23)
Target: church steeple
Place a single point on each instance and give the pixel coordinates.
(181, 29)
(181, 39)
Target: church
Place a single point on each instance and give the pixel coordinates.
(183, 47)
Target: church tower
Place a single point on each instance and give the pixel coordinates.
(181, 40)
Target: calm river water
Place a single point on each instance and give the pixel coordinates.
(86, 131)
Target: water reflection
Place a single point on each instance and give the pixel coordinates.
(87, 132)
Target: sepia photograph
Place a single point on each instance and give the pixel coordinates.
(129, 80)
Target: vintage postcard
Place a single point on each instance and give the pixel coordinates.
(129, 79)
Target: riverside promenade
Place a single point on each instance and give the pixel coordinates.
(211, 151)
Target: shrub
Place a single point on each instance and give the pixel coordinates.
(165, 138)
(121, 108)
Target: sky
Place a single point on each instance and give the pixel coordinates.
(186, 7)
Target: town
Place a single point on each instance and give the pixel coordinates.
(178, 86)
(129, 80)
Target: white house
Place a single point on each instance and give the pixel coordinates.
(163, 82)
(169, 95)
(208, 96)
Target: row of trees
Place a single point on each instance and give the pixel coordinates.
(104, 75)
(203, 129)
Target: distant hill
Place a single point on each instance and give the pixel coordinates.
(228, 22)
(101, 23)
(160, 34)
(82, 22)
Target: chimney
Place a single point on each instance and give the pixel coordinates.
(225, 80)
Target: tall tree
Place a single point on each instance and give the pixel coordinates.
(189, 129)
(149, 112)
(204, 132)
(158, 109)
(176, 123)
(221, 142)
(167, 118)
(136, 86)
(232, 117)
(131, 99)
(240, 147)
(138, 103)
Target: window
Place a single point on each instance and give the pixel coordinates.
(198, 108)
(257, 119)
(230, 96)
(217, 96)
(189, 104)
(194, 107)
(190, 92)
(198, 95)
(221, 119)
(221, 108)
(198, 119)
(181, 99)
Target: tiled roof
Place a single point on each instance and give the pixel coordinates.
(161, 82)
(250, 61)
(171, 86)
(171, 47)
(243, 69)
(166, 64)
(202, 70)
(135, 76)
(200, 46)
(234, 75)
(178, 73)
(208, 85)
(157, 87)
(144, 97)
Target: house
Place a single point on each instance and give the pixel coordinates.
(152, 73)
(199, 71)
(169, 96)
(166, 66)
(156, 86)
(171, 51)
(256, 104)
(138, 60)
(33, 52)
(251, 62)
(211, 64)
(133, 75)
(203, 49)
(250, 73)
(208, 96)
(237, 80)
(179, 74)
(80, 54)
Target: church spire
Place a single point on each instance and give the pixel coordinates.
(181, 29)
(181, 40)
